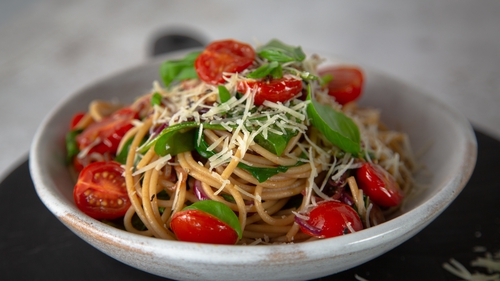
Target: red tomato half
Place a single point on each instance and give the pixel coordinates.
(223, 56)
(379, 185)
(347, 83)
(109, 130)
(76, 118)
(274, 90)
(100, 191)
(198, 226)
(332, 219)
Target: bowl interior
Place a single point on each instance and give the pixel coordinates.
(444, 136)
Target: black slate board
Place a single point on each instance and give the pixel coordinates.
(34, 245)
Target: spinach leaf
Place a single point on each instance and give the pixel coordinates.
(339, 129)
(278, 51)
(178, 70)
(220, 211)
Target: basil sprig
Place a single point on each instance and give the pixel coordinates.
(220, 211)
(179, 70)
(278, 51)
(339, 129)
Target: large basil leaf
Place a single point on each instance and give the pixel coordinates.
(177, 139)
(178, 70)
(278, 51)
(275, 143)
(339, 129)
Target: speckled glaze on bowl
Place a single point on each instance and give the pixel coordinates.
(431, 124)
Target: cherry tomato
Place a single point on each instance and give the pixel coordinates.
(100, 191)
(109, 130)
(331, 218)
(379, 185)
(76, 118)
(347, 83)
(274, 90)
(201, 227)
(77, 164)
(223, 56)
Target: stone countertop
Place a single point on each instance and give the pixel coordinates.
(51, 48)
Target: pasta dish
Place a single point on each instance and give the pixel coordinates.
(241, 145)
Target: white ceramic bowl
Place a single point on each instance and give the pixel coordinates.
(451, 157)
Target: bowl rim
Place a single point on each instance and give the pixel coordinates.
(385, 232)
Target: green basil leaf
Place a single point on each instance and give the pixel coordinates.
(273, 68)
(182, 126)
(178, 70)
(339, 129)
(262, 174)
(275, 143)
(202, 146)
(122, 155)
(224, 94)
(156, 99)
(178, 138)
(228, 197)
(278, 51)
(71, 145)
(325, 79)
(220, 211)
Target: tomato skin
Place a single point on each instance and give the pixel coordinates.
(331, 217)
(223, 56)
(76, 118)
(100, 191)
(109, 130)
(379, 185)
(274, 90)
(201, 227)
(347, 83)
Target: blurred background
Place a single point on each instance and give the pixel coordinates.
(50, 49)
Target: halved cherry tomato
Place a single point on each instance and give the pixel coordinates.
(379, 185)
(76, 118)
(201, 227)
(274, 90)
(331, 218)
(109, 130)
(100, 191)
(223, 56)
(347, 83)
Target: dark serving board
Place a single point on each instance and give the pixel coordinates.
(34, 245)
